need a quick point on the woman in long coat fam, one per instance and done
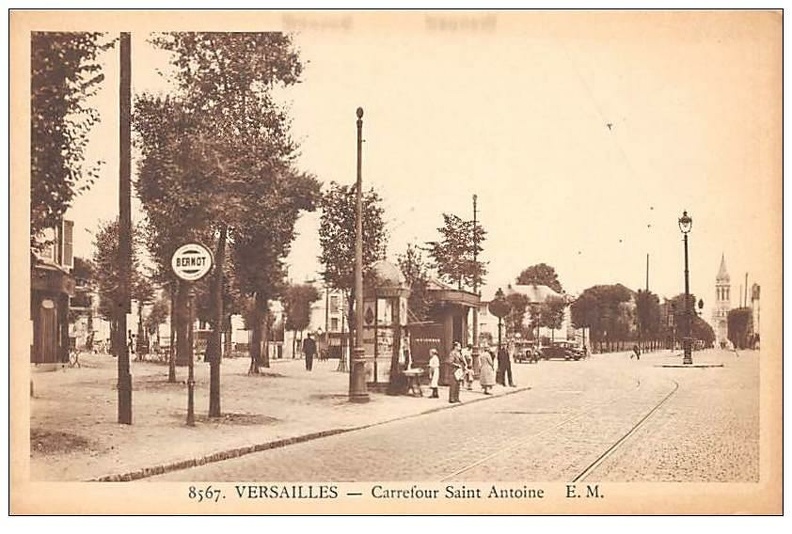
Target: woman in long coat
(487, 374)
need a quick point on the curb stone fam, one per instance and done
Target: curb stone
(180, 465)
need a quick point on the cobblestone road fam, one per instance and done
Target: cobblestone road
(706, 428)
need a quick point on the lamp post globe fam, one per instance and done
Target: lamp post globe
(499, 307)
(685, 225)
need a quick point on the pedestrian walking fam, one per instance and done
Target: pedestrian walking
(504, 368)
(309, 349)
(636, 352)
(434, 372)
(130, 342)
(467, 357)
(457, 366)
(487, 373)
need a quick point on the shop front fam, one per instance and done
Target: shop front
(50, 289)
(447, 322)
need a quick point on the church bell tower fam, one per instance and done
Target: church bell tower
(720, 314)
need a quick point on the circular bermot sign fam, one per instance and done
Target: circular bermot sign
(191, 262)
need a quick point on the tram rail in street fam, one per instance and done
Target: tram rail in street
(590, 469)
(572, 418)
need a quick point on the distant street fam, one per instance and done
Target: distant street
(608, 418)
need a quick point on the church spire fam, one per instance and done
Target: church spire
(723, 274)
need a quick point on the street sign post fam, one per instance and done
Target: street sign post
(191, 262)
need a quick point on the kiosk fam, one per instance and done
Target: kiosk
(385, 337)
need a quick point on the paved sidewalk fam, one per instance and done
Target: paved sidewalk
(75, 436)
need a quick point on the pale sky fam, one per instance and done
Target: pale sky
(515, 109)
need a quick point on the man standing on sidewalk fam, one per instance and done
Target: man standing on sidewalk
(309, 349)
(504, 368)
(457, 365)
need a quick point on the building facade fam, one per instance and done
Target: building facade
(755, 290)
(51, 287)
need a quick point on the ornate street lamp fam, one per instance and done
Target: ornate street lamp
(499, 307)
(685, 224)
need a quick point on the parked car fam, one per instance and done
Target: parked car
(526, 351)
(566, 350)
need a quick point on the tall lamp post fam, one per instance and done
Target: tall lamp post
(685, 224)
(499, 307)
(357, 369)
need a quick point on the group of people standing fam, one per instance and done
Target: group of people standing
(461, 363)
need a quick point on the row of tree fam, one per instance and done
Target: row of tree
(217, 165)
(611, 314)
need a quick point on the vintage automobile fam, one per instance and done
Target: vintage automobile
(526, 351)
(565, 350)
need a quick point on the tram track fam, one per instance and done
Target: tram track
(535, 437)
(592, 466)
(610, 450)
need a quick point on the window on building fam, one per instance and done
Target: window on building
(49, 237)
(334, 324)
(68, 244)
(333, 303)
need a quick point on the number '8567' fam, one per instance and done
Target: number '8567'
(204, 494)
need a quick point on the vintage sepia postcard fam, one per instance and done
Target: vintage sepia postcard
(523, 262)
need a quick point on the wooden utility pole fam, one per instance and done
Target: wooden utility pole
(124, 231)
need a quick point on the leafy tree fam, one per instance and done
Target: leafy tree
(337, 239)
(158, 314)
(699, 327)
(739, 325)
(518, 304)
(703, 331)
(648, 315)
(540, 274)
(584, 310)
(453, 254)
(175, 196)
(80, 304)
(416, 273)
(297, 302)
(225, 141)
(108, 275)
(83, 270)
(680, 312)
(297, 306)
(65, 73)
(551, 314)
(83, 273)
(262, 243)
(604, 309)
